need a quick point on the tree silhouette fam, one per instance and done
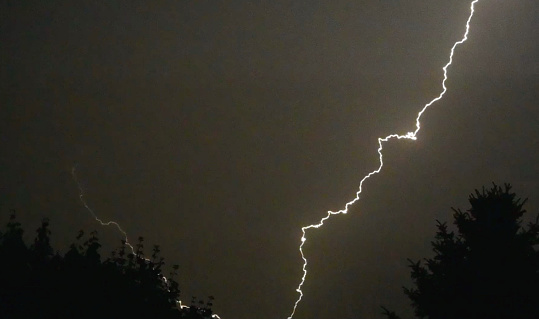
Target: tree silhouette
(489, 269)
(35, 282)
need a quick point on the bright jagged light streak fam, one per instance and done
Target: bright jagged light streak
(88, 208)
(381, 141)
(115, 224)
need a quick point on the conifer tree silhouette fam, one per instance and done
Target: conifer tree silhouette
(488, 269)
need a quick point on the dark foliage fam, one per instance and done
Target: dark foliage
(35, 282)
(489, 269)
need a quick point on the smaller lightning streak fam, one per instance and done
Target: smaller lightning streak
(115, 224)
(88, 208)
(381, 141)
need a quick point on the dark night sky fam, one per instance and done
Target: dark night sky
(218, 128)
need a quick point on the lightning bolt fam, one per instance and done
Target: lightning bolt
(381, 141)
(117, 226)
(91, 211)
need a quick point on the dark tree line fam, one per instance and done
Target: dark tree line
(488, 269)
(37, 282)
